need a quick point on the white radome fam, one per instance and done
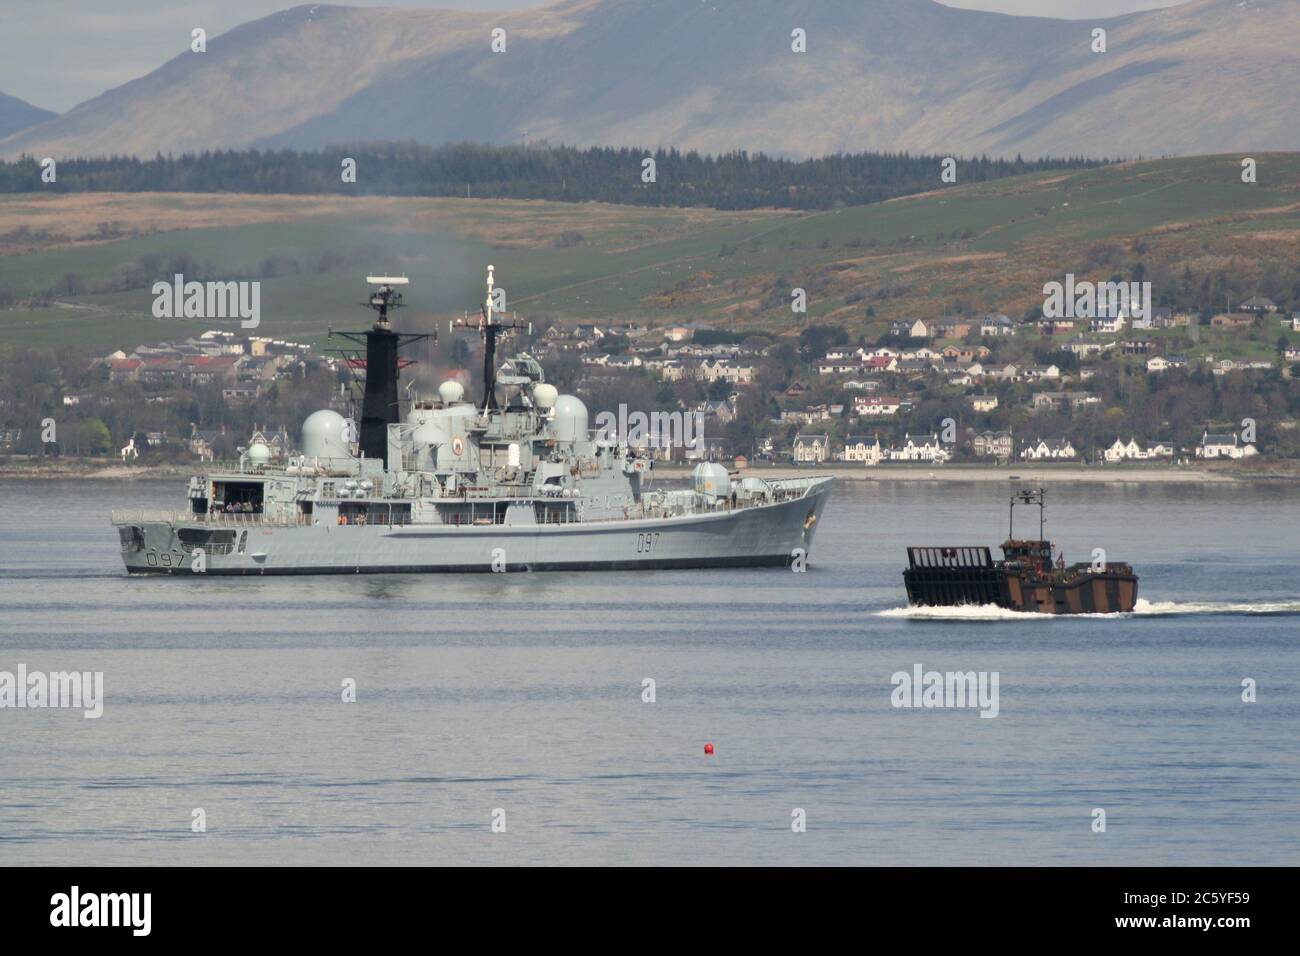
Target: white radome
(570, 421)
(324, 435)
(451, 392)
(545, 395)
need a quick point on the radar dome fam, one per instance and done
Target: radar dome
(570, 418)
(259, 454)
(545, 395)
(451, 392)
(324, 435)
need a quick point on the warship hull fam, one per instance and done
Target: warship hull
(774, 534)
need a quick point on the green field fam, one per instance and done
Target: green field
(989, 246)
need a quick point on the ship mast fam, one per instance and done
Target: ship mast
(1025, 497)
(491, 327)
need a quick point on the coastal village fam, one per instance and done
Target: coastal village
(979, 388)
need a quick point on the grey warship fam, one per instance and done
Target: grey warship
(516, 484)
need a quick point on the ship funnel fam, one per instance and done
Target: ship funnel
(379, 406)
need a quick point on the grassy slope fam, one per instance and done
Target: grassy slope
(1023, 232)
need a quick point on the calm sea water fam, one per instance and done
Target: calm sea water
(524, 692)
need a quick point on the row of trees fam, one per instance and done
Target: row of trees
(739, 180)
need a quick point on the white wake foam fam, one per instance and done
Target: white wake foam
(1216, 607)
(1143, 608)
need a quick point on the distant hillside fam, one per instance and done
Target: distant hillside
(17, 115)
(1190, 226)
(1208, 76)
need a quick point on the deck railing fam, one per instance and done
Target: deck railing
(216, 519)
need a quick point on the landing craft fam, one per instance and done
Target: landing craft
(514, 482)
(1027, 579)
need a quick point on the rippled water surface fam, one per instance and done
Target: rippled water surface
(524, 692)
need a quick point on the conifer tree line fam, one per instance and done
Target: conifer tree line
(737, 180)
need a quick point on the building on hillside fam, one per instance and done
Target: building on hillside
(876, 406)
(997, 325)
(1131, 450)
(811, 449)
(1108, 324)
(993, 444)
(1059, 400)
(1232, 320)
(982, 403)
(863, 448)
(920, 448)
(1258, 305)
(1224, 446)
(1163, 363)
(1044, 450)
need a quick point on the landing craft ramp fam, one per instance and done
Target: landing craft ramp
(960, 574)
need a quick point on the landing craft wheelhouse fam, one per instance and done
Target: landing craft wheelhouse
(517, 481)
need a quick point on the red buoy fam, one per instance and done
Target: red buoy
(708, 750)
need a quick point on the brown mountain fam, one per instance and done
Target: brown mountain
(17, 115)
(1206, 76)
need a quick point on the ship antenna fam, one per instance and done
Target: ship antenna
(1026, 497)
(490, 327)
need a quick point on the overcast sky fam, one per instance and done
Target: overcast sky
(57, 53)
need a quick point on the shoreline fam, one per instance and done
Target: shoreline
(1096, 474)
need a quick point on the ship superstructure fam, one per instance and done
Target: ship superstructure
(517, 481)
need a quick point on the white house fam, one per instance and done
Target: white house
(1132, 451)
(1224, 446)
(1084, 348)
(863, 448)
(1107, 323)
(920, 448)
(1162, 363)
(997, 325)
(875, 406)
(1041, 450)
(1038, 373)
(813, 449)
(982, 403)
(1005, 373)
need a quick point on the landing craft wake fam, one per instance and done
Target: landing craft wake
(1143, 608)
